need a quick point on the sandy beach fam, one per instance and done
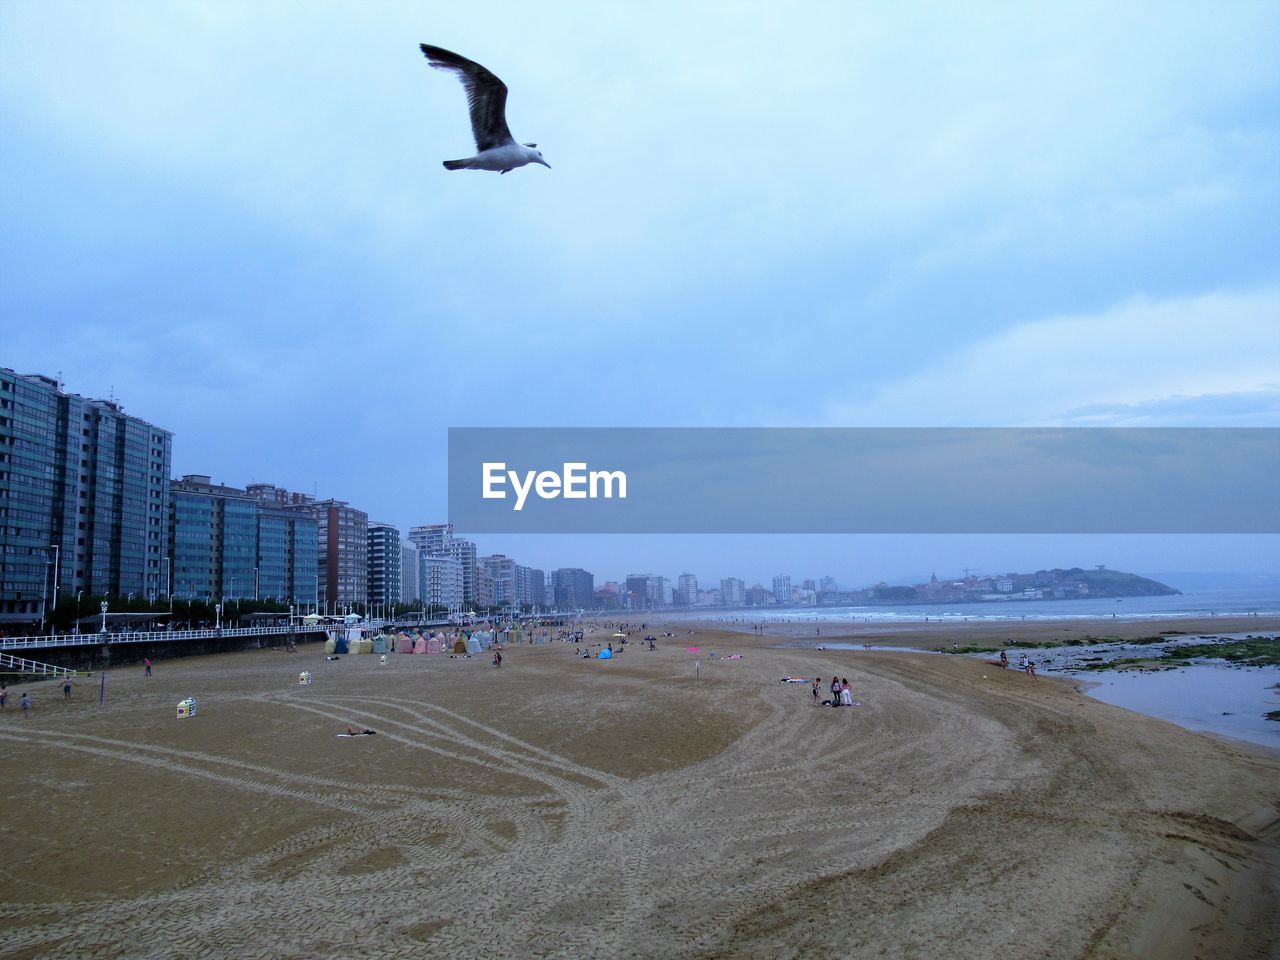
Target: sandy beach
(639, 807)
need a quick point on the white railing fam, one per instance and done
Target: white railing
(19, 665)
(155, 636)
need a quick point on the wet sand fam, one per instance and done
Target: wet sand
(562, 807)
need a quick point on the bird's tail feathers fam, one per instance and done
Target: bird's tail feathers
(456, 164)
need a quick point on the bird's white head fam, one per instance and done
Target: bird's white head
(534, 155)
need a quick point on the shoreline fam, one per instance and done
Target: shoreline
(937, 634)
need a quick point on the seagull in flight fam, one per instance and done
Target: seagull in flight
(487, 98)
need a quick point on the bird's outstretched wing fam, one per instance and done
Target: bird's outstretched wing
(486, 96)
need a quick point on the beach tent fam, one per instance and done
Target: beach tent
(331, 644)
(404, 643)
(420, 645)
(605, 654)
(459, 645)
(435, 645)
(473, 644)
(380, 644)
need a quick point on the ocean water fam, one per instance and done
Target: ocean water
(1200, 604)
(1215, 698)
(1212, 696)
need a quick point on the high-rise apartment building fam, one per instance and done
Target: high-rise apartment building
(686, 590)
(437, 540)
(531, 587)
(84, 493)
(384, 564)
(288, 546)
(733, 592)
(636, 591)
(782, 589)
(572, 588)
(214, 529)
(408, 573)
(344, 553)
(432, 538)
(502, 573)
(228, 544)
(439, 582)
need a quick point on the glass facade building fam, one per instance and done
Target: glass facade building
(227, 544)
(83, 498)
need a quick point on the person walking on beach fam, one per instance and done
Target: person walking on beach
(846, 694)
(1004, 660)
(817, 687)
(146, 662)
(835, 691)
(1031, 669)
(4, 696)
(67, 684)
(25, 703)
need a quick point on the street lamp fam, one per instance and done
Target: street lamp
(57, 557)
(103, 607)
(217, 612)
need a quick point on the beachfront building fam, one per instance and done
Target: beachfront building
(686, 590)
(408, 573)
(432, 538)
(288, 557)
(482, 597)
(439, 582)
(288, 547)
(229, 545)
(636, 591)
(214, 530)
(84, 492)
(384, 564)
(531, 588)
(437, 540)
(502, 575)
(572, 588)
(344, 554)
(733, 592)
(782, 590)
(609, 597)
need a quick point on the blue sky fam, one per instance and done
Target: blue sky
(233, 216)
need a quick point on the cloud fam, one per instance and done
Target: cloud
(1192, 361)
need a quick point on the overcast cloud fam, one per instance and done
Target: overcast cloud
(233, 216)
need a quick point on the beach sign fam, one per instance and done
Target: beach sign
(304, 676)
(186, 708)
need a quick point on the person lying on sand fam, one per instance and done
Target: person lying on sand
(362, 732)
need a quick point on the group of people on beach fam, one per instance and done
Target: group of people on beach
(24, 703)
(841, 694)
(1026, 664)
